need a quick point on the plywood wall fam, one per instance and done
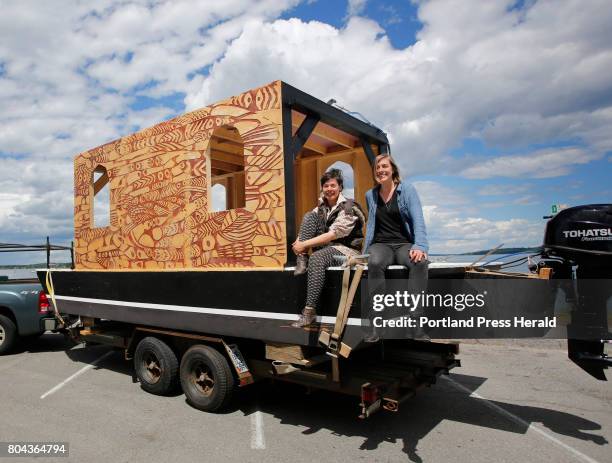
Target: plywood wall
(159, 196)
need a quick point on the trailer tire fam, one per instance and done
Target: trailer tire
(206, 378)
(156, 366)
(8, 334)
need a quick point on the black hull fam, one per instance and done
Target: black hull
(235, 303)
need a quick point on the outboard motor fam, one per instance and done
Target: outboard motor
(581, 237)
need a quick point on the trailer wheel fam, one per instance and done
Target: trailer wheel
(8, 334)
(206, 378)
(156, 366)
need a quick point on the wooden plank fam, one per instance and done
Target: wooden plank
(226, 166)
(221, 178)
(367, 149)
(501, 273)
(227, 137)
(234, 192)
(306, 188)
(303, 133)
(326, 132)
(296, 354)
(101, 182)
(236, 150)
(316, 147)
(217, 155)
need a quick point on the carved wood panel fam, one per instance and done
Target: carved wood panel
(159, 182)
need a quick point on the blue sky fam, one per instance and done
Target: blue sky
(495, 110)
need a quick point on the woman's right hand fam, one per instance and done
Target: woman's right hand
(298, 247)
(417, 256)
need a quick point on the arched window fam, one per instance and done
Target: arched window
(218, 197)
(226, 156)
(101, 199)
(348, 178)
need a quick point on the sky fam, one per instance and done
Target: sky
(495, 110)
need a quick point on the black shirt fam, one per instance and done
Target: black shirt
(389, 227)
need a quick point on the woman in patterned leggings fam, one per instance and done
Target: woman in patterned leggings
(333, 228)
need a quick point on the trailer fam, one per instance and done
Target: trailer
(205, 297)
(210, 369)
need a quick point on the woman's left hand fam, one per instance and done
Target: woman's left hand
(299, 248)
(417, 256)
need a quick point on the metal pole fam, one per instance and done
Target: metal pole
(48, 253)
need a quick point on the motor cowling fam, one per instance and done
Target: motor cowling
(582, 234)
(581, 238)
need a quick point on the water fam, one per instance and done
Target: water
(468, 259)
(497, 258)
(18, 273)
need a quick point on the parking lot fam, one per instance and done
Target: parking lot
(508, 402)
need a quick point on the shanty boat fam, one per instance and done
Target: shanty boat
(167, 259)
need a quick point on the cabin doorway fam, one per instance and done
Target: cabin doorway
(328, 147)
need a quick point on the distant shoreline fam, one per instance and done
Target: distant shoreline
(503, 251)
(35, 266)
(476, 253)
(497, 251)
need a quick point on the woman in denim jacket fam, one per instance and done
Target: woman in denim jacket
(395, 233)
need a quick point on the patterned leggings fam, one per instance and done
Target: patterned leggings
(319, 260)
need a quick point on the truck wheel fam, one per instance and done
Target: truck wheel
(206, 378)
(156, 366)
(8, 334)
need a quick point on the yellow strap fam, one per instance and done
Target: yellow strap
(342, 304)
(51, 290)
(351, 295)
(348, 294)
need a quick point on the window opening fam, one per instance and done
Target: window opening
(219, 197)
(101, 198)
(227, 169)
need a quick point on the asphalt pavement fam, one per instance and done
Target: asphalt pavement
(508, 402)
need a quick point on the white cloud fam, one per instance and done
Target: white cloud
(527, 200)
(355, 7)
(510, 77)
(539, 164)
(452, 231)
(454, 223)
(69, 72)
(504, 190)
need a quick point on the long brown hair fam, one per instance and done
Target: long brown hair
(395, 175)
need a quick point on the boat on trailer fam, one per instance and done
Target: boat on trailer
(167, 259)
(171, 280)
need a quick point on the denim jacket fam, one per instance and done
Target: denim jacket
(410, 210)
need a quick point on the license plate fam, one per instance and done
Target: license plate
(237, 359)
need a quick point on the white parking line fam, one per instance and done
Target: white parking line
(78, 373)
(258, 440)
(520, 421)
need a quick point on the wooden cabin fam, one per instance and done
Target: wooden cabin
(266, 147)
